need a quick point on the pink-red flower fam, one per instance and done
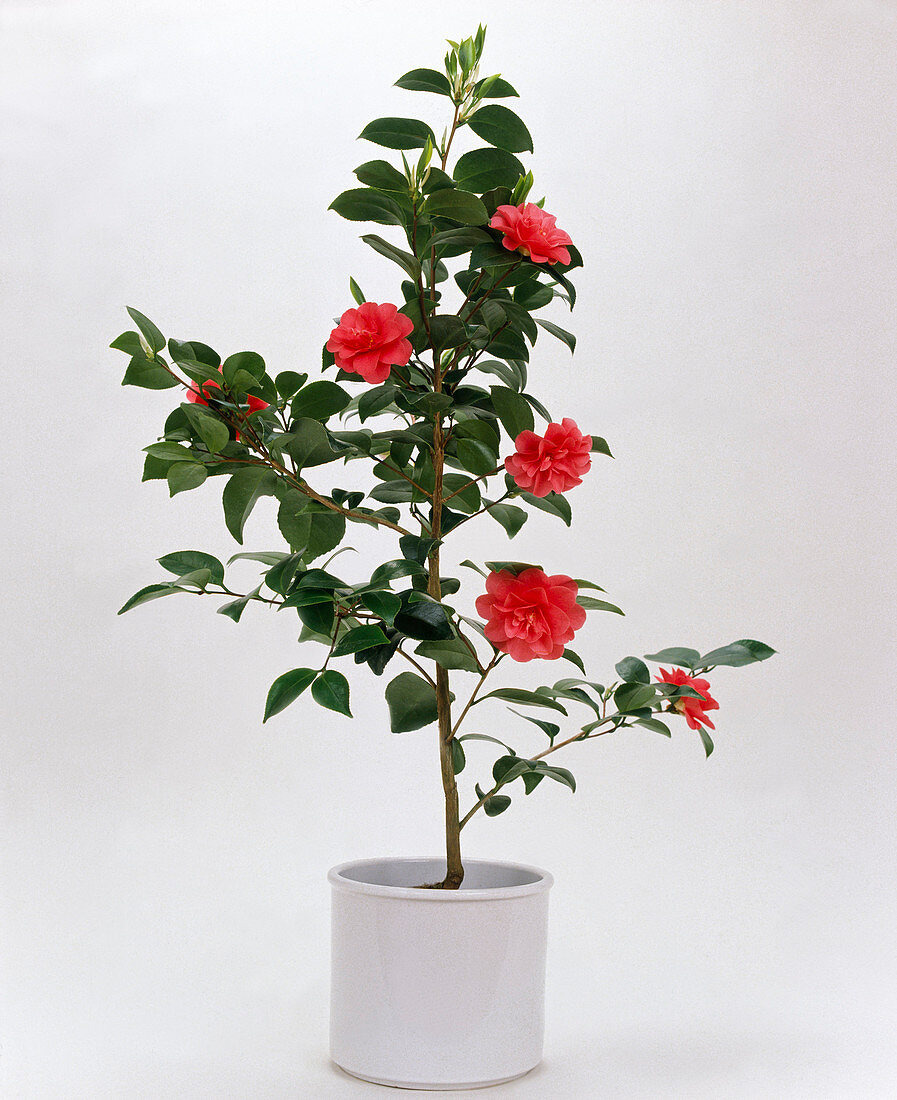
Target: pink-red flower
(370, 340)
(550, 463)
(528, 229)
(199, 395)
(693, 709)
(530, 615)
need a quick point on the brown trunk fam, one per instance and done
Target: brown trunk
(454, 869)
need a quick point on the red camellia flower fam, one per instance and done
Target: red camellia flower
(550, 463)
(528, 229)
(693, 709)
(199, 396)
(530, 615)
(370, 340)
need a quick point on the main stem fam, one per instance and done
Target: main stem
(454, 873)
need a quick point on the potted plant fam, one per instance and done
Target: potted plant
(429, 395)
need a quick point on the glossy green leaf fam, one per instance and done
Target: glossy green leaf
(148, 374)
(240, 494)
(501, 127)
(675, 655)
(151, 334)
(450, 653)
(359, 638)
(509, 516)
(460, 206)
(411, 701)
(654, 724)
(591, 604)
(512, 410)
(235, 608)
(289, 382)
(151, 592)
(183, 476)
(425, 80)
(555, 504)
(286, 689)
(319, 401)
(186, 561)
(706, 740)
(406, 261)
(364, 204)
(496, 88)
(523, 698)
(634, 696)
(210, 428)
(398, 133)
(129, 342)
(331, 690)
(746, 651)
(382, 175)
(482, 169)
(561, 333)
(424, 620)
(307, 443)
(599, 446)
(633, 671)
(496, 804)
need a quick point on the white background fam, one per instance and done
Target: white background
(721, 929)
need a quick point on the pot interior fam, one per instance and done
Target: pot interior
(404, 873)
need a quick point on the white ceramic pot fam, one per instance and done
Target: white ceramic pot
(438, 989)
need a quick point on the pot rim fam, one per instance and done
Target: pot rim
(542, 881)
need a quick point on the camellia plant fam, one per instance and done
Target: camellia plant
(430, 393)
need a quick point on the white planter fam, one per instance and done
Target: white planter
(438, 989)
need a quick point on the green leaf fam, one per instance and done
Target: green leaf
(633, 671)
(243, 362)
(509, 516)
(364, 204)
(450, 653)
(706, 740)
(398, 133)
(151, 334)
(476, 456)
(384, 604)
(561, 333)
(182, 476)
(425, 80)
(455, 242)
(235, 608)
(411, 701)
(634, 696)
(599, 446)
(148, 374)
(129, 342)
(497, 89)
(493, 255)
(307, 443)
(359, 638)
(186, 561)
(331, 690)
(406, 261)
(392, 570)
(559, 775)
(512, 410)
(502, 128)
(654, 724)
(382, 175)
(550, 729)
(574, 659)
(743, 652)
(460, 206)
(167, 451)
(240, 494)
(482, 169)
(591, 604)
(210, 429)
(289, 382)
(425, 620)
(286, 689)
(319, 401)
(555, 504)
(496, 804)
(485, 737)
(523, 698)
(675, 655)
(458, 758)
(151, 592)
